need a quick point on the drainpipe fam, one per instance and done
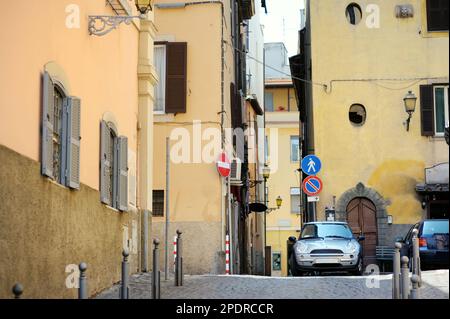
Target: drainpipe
(180, 5)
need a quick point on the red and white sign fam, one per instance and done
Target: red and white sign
(224, 165)
(312, 185)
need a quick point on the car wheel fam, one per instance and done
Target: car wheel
(359, 268)
(293, 266)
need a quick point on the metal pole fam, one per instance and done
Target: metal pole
(415, 293)
(416, 256)
(166, 248)
(82, 290)
(145, 244)
(230, 224)
(396, 272)
(156, 274)
(179, 261)
(124, 293)
(17, 290)
(405, 277)
(265, 227)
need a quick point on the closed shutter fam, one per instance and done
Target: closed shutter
(427, 110)
(105, 164)
(176, 77)
(437, 15)
(122, 173)
(73, 142)
(48, 108)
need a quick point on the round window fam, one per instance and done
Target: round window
(357, 114)
(353, 13)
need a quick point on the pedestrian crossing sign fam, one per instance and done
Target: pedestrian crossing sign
(311, 165)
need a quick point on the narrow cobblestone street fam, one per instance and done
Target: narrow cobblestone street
(435, 286)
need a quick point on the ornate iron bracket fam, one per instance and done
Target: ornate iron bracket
(101, 25)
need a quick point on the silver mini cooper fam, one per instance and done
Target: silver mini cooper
(326, 247)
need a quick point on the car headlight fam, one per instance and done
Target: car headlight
(352, 247)
(301, 247)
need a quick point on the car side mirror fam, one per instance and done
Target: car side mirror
(361, 238)
(292, 239)
(400, 240)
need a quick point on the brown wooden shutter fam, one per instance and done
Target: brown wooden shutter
(176, 77)
(427, 110)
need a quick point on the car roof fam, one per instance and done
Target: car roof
(326, 222)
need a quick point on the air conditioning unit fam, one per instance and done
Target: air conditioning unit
(236, 172)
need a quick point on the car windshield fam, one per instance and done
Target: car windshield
(326, 231)
(435, 227)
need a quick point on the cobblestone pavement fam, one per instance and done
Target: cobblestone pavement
(435, 286)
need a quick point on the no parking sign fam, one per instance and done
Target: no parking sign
(312, 186)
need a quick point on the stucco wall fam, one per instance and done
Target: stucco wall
(45, 227)
(381, 154)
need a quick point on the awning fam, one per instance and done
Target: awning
(432, 188)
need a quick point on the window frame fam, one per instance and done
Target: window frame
(446, 106)
(292, 137)
(299, 195)
(162, 78)
(162, 203)
(428, 20)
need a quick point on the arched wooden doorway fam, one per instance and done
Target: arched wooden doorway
(362, 219)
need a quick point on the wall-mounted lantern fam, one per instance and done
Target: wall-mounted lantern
(390, 219)
(100, 25)
(410, 101)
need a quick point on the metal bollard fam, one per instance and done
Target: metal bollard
(415, 293)
(17, 290)
(405, 278)
(124, 291)
(82, 290)
(179, 261)
(156, 274)
(396, 272)
(416, 256)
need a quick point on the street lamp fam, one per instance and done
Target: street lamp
(410, 101)
(279, 202)
(100, 25)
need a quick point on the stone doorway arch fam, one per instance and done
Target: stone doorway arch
(361, 191)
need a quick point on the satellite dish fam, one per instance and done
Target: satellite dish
(257, 207)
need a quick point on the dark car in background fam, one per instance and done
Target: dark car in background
(433, 243)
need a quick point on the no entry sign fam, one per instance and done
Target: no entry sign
(312, 186)
(224, 165)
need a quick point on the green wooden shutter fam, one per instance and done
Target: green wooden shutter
(73, 142)
(48, 108)
(122, 173)
(105, 164)
(427, 110)
(176, 77)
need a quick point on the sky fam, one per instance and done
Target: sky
(282, 22)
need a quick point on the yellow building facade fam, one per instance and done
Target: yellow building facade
(68, 101)
(283, 158)
(365, 58)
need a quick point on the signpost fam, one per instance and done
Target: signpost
(312, 186)
(311, 165)
(224, 165)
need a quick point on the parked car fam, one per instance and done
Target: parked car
(326, 247)
(433, 243)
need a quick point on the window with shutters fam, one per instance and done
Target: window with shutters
(171, 67)
(295, 200)
(440, 109)
(60, 135)
(437, 15)
(113, 167)
(158, 203)
(434, 109)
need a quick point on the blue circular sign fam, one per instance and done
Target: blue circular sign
(311, 165)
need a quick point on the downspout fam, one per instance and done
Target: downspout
(222, 75)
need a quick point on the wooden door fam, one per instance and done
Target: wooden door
(362, 219)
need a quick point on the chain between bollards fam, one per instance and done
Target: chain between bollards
(82, 290)
(124, 291)
(156, 273)
(17, 290)
(179, 261)
(405, 278)
(396, 272)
